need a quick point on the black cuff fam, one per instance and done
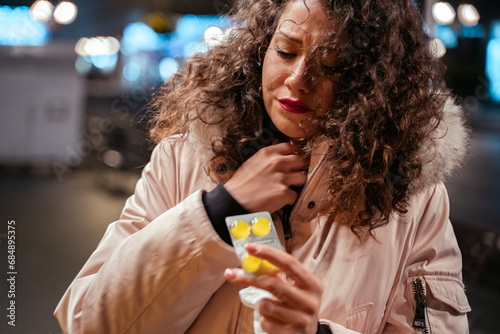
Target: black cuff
(323, 329)
(219, 204)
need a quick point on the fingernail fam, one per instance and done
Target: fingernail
(266, 307)
(229, 273)
(253, 248)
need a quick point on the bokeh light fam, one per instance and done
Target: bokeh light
(438, 49)
(213, 36)
(112, 158)
(468, 15)
(96, 46)
(18, 28)
(41, 10)
(493, 61)
(443, 13)
(132, 72)
(168, 67)
(139, 36)
(194, 48)
(83, 65)
(65, 12)
(106, 63)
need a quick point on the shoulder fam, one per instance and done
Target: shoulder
(177, 160)
(428, 210)
(180, 148)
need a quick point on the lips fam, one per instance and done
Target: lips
(294, 106)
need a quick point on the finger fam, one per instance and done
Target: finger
(293, 269)
(292, 162)
(285, 293)
(296, 179)
(236, 275)
(281, 163)
(280, 313)
(272, 326)
(274, 283)
(282, 148)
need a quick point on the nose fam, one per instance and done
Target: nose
(299, 78)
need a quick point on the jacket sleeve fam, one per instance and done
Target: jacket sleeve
(159, 263)
(433, 267)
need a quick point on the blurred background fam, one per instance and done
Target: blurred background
(75, 79)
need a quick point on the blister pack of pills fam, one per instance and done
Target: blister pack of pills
(255, 228)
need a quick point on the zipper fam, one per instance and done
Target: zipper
(419, 291)
(288, 209)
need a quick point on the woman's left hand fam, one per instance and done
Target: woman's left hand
(297, 293)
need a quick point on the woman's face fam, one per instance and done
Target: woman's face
(292, 87)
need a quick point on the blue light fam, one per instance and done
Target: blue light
(107, 63)
(426, 29)
(83, 65)
(495, 30)
(175, 47)
(447, 35)
(193, 48)
(132, 72)
(476, 31)
(168, 67)
(191, 28)
(139, 36)
(142, 47)
(18, 28)
(493, 61)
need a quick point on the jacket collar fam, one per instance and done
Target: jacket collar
(443, 151)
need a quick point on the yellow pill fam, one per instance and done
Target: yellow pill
(261, 226)
(251, 263)
(267, 268)
(240, 229)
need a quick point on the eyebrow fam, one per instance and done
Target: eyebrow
(292, 38)
(299, 41)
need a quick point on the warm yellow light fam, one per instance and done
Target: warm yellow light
(80, 46)
(468, 15)
(443, 13)
(41, 10)
(97, 46)
(112, 158)
(111, 45)
(65, 12)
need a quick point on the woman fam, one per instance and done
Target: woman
(332, 116)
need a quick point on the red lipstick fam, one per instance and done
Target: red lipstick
(294, 106)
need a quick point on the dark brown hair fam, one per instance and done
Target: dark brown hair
(390, 95)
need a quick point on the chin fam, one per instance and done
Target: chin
(292, 132)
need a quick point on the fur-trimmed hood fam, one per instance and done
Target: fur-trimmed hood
(441, 154)
(446, 148)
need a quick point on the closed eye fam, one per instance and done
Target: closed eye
(284, 54)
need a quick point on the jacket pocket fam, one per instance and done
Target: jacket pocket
(440, 304)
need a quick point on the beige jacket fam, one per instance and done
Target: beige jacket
(159, 268)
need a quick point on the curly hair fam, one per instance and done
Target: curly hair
(389, 97)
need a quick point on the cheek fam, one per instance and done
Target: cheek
(273, 71)
(326, 92)
(271, 76)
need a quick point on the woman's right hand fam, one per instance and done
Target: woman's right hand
(262, 183)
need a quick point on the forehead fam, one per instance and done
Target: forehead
(306, 18)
